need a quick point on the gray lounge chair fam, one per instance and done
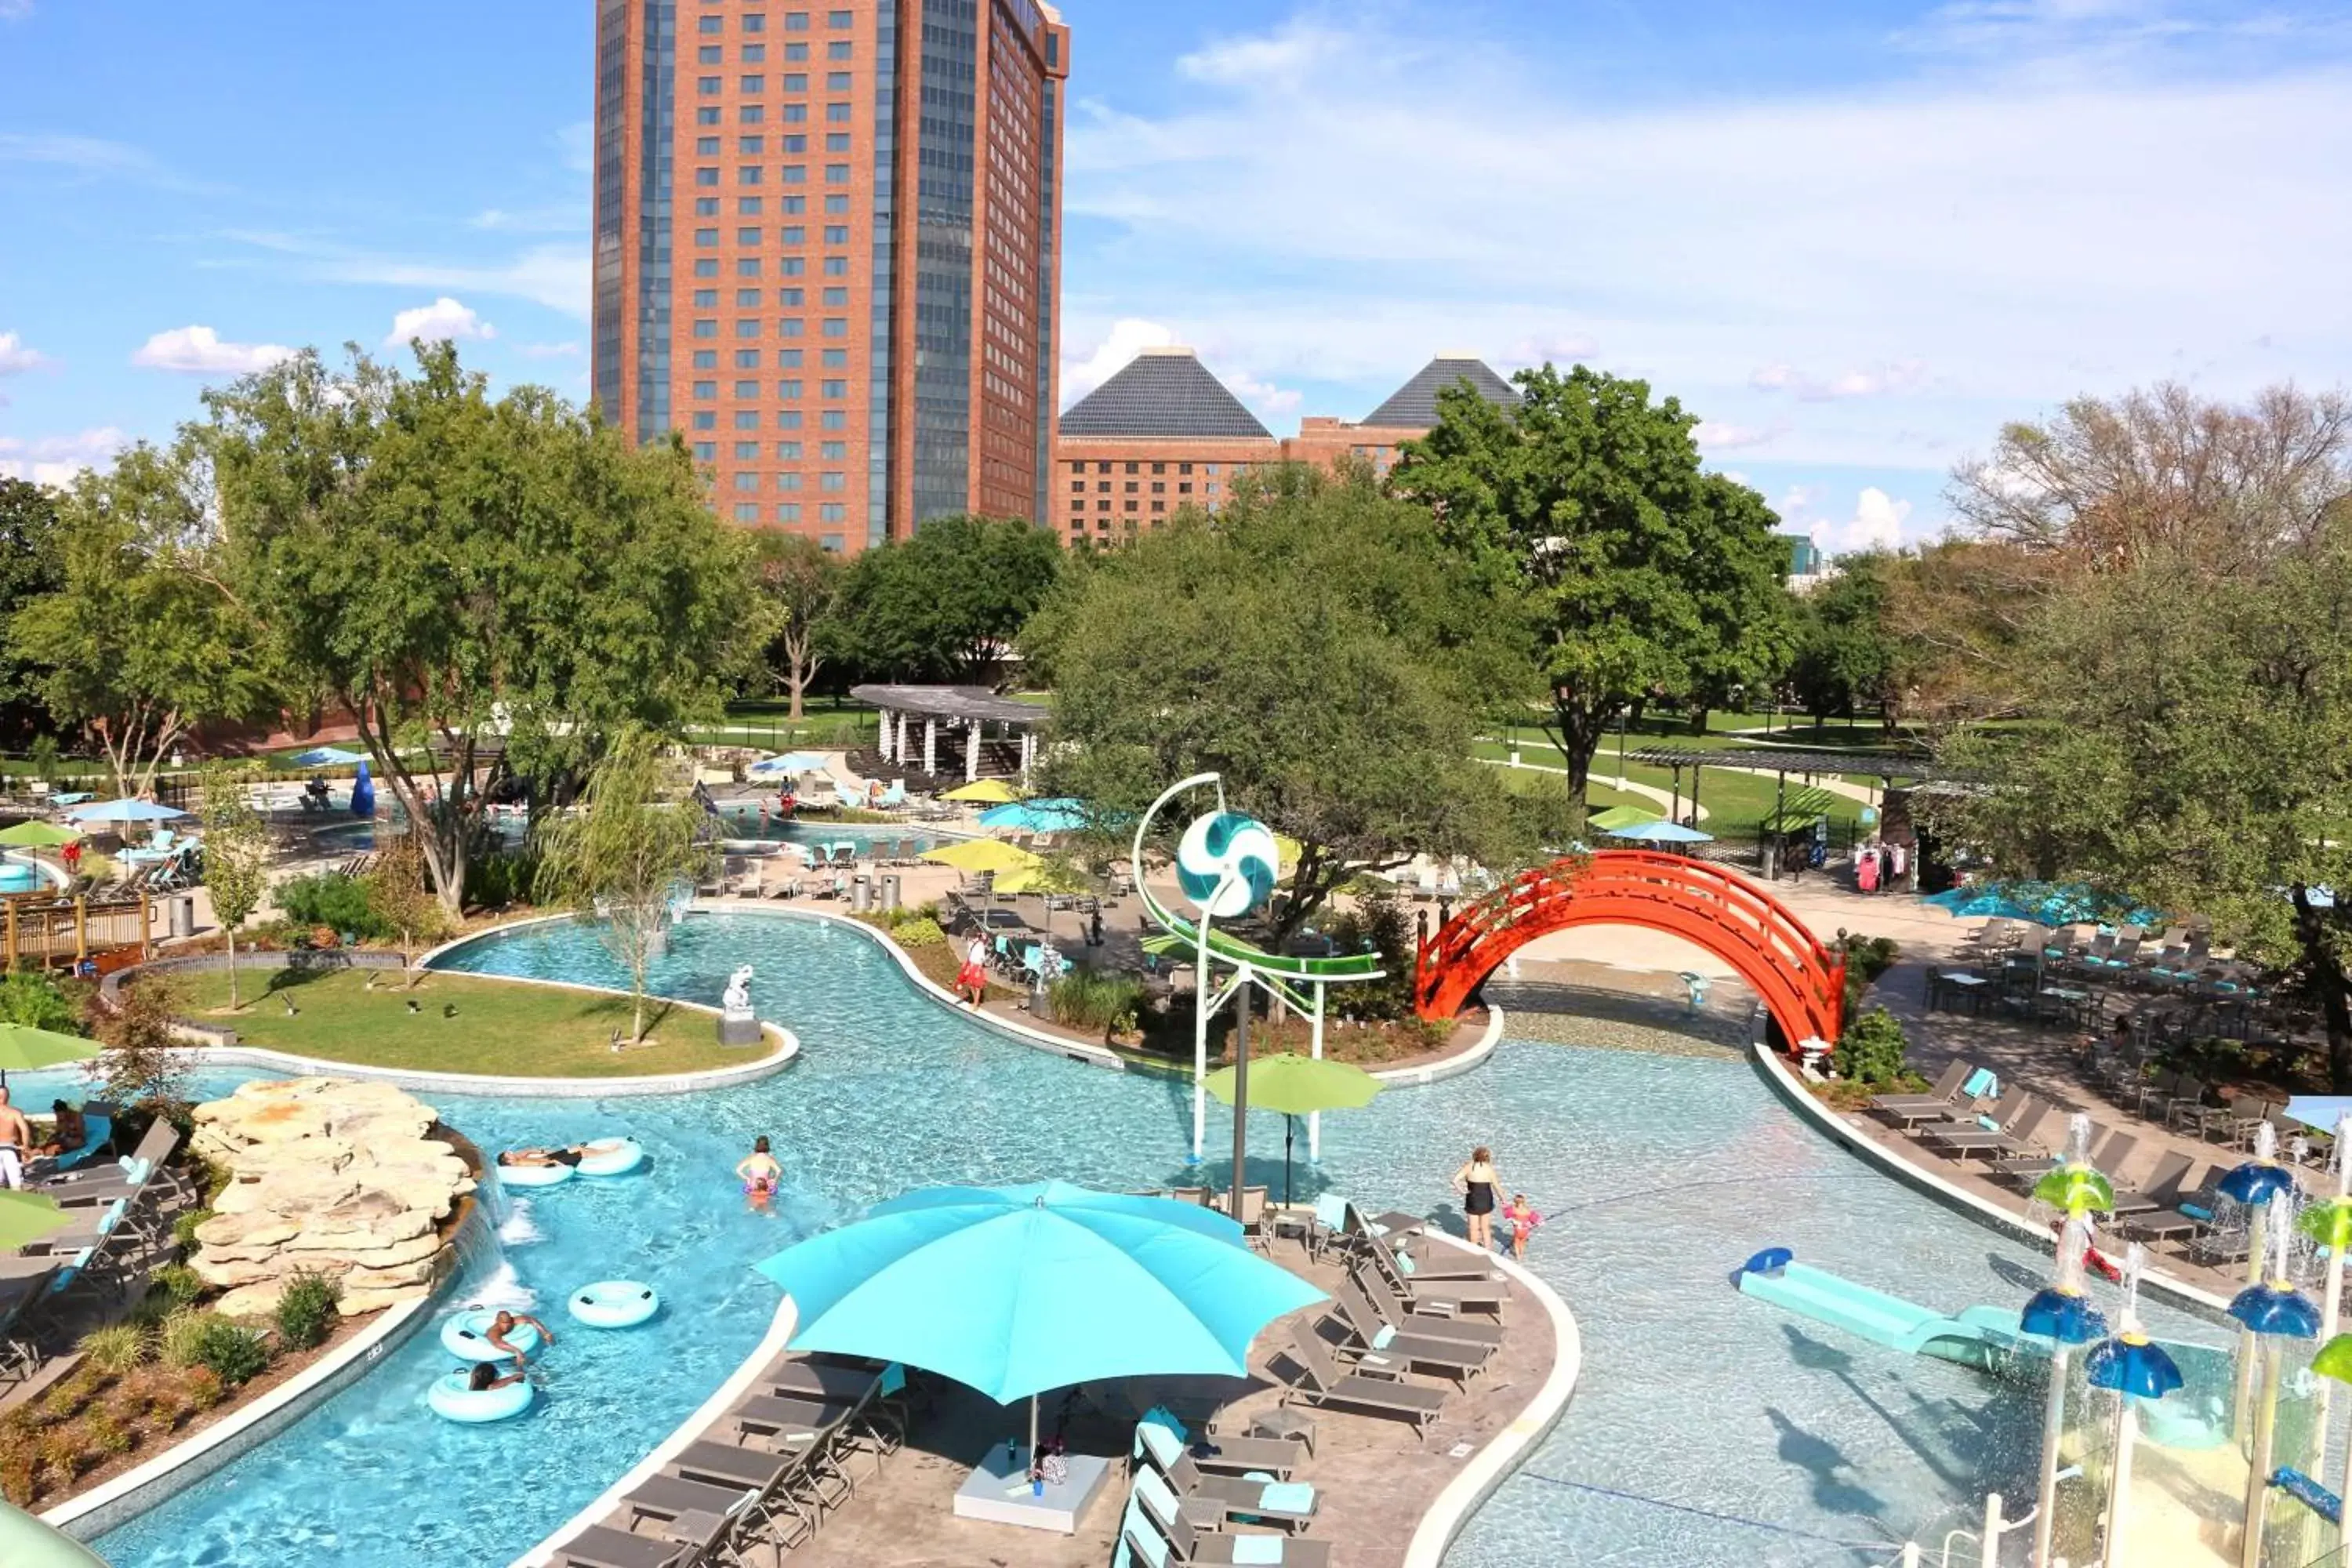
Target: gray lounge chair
(1438, 1295)
(1157, 1542)
(1324, 1387)
(1217, 1452)
(1217, 1500)
(2161, 1189)
(2013, 1138)
(665, 1500)
(1430, 1325)
(1380, 1348)
(601, 1546)
(1945, 1094)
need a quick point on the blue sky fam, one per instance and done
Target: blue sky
(1855, 236)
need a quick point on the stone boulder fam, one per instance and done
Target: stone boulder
(336, 1175)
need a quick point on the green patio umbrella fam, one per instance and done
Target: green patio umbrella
(37, 836)
(1297, 1086)
(26, 1217)
(23, 1047)
(1617, 817)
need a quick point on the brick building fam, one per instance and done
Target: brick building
(1164, 433)
(827, 248)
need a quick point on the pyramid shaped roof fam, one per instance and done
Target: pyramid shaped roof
(1413, 405)
(1162, 393)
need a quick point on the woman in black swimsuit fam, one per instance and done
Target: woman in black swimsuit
(1477, 1182)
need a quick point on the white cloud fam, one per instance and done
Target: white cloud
(561, 219)
(552, 351)
(1888, 227)
(1877, 381)
(1876, 524)
(1565, 349)
(1262, 396)
(1122, 342)
(444, 321)
(200, 351)
(1715, 435)
(55, 459)
(15, 10)
(17, 357)
(555, 275)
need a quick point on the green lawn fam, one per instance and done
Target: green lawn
(496, 1026)
(1732, 800)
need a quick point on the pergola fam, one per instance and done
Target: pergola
(1782, 761)
(914, 716)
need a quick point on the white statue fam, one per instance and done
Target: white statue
(737, 1001)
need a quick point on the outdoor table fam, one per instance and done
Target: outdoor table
(1971, 986)
(1000, 1492)
(1398, 1224)
(2074, 1003)
(1004, 920)
(1284, 1421)
(1292, 1218)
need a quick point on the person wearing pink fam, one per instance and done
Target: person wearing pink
(1521, 1216)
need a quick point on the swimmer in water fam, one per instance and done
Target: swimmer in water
(760, 1172)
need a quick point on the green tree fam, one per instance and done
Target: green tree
(618, 859)
(2180, 648)
(137, 644)
(459, 570)
(29, 568)
(400, 891)
(944, 605)
(799, 584)
(236, 857)
(1310, 645)
(1648, 574)
(1847, 657)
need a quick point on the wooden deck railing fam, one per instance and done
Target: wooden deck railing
(43, 928)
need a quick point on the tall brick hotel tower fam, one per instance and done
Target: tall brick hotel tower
(828, 250)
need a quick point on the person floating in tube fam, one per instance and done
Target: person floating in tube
(506, 1324)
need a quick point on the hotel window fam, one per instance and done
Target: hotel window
(788, 511)
(832, 511)
(838, 113)
(788, 482)
(794, 174)
(747, 266)
(705, 147)
(837, 267)
(706, 299)
(1102, 468)
(788, 359)
(747, 512)
(747, 299)
(837, 82)
(1159, 506)
(747, 359)
(836, 359)
(748, 328)
(710, 25)
(747, 237)
(1159, 486)
(837, 50)
(1183, 487)
(704, 419)
(788, 391)
(837, 295)
(707, 267)
(709, 54)
(705, 359)
(1213, 470)
(836, 234)
(834, 419)
(755, 53)
(751, 84)
(1158, 468)
(747, 451)
(797, 21)
(751, 147)
(705, 329)
(795, 81)
(788, 451)
(1133, 486)
(706, 451)
(795, 234)
(751, 114)
(830, 544)
(794, 266)
(790, 327)
(1077, 468)
(706, 87)
(836, 204)
(793, 204)
(706, 389)
(789, 419)
(791, 146)
(792, 299)
(706, 239)
(836, 142)
(755, 23)
(746, 419)
(796, 114)
(795, 51)
(1103, 485)
(1135, 467)
(834, 388)
(833, 481)
(748, 206)
(747, 481)
(1078, 487)
(836, 174)
(836, 327)
(833, 451)
(1130, 506)
(708, 116)
(836, 20)
(747, 390)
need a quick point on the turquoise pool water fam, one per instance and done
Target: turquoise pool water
(1708, 1428)
(745, 822)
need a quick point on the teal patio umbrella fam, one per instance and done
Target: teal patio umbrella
(1015, 1290)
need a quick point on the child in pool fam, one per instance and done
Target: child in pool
(760, 1172)
(1523, 1219)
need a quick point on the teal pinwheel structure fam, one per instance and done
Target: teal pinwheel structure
(1014, 1291)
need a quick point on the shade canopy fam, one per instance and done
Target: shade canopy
(328, 757)
(37, 836)
(982, 855)
(1617, 817)
(2046, 903)
(789, 764)
(1014, 1291)
(1660, 832)
(1299, 1086)
(23, 1049)
(1061, 815)
(2065, 1316)
(26, 1217)
(125, 811)
(983, 792)
(1045, 877)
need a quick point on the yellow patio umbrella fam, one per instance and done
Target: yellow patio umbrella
(976, 855)
(1047, 876)
(984, 792)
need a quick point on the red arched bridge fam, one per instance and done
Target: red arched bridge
(1799, 979)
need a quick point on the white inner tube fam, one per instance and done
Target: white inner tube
(466, 1337)
(613, 1303)
(533, 1175)
(612, 1157)
(452, 1399)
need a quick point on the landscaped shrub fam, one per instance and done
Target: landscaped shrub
(106, 1435)
(1090, 999)
(1377, 924)
(19, 1464)
(334, 900)
(183, 1229)
(178, 1283)
(31, 998)
(501, 878)
(1872, 1050)
(115, 1348)
(180, 1341)
(204, 1388)
(306, 1308)
(918, 933)
(1866, 958)
(234, 1354)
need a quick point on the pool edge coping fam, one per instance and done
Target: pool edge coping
(1491, 1466)
(1792, 1092)
(686, 1432)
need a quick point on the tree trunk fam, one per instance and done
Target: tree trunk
(2327, 975)
(1580, 727)
(1698, 718)
(797, 683)
(229, 932)
(638, 1016)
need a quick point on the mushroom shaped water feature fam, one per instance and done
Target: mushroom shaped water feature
(2334, 1362)
(2073, 1186)
(2271, 1311)
(2061, 1313)
(2256, 1185)
(2133, 1367)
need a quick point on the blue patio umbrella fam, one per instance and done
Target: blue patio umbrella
(1976, 903)
(790, 765)
(362, 794)
(1056, 815)
(125, 811)
(2320, 1110)
(1661, 833)
(1050, 1285)
(328, 757)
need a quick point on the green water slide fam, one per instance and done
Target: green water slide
(1979, 1337)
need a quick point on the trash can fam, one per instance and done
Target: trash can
(184, 916)
(861, 893)
(890, 890)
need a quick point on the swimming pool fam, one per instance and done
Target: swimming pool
(744, 822)
(1707, 1427)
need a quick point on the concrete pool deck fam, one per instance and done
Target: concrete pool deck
(1387, 1499)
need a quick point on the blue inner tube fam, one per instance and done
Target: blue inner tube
(533, 1175)
(624, 1156)
(614, 1303)
(452, 1400)
(466, 1336)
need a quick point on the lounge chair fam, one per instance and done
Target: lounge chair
(2108, 1153)
(2162, 1188)
(1149, 1541)
(1438, 1295)
(1214, 1500)
(2013, 1138)
(1217, 1451)
(98, 1132)
(601, 1546)
(1449, 1326)
(1322, 1385)
(1946, 1093)
(2186, 1101)
(2012, 1100)
(1379, 1347)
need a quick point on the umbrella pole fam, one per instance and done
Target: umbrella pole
(1241, 1086)
(2242, 1402)
(2053, 1434)
(1033, 1431)
(1289, 1128)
